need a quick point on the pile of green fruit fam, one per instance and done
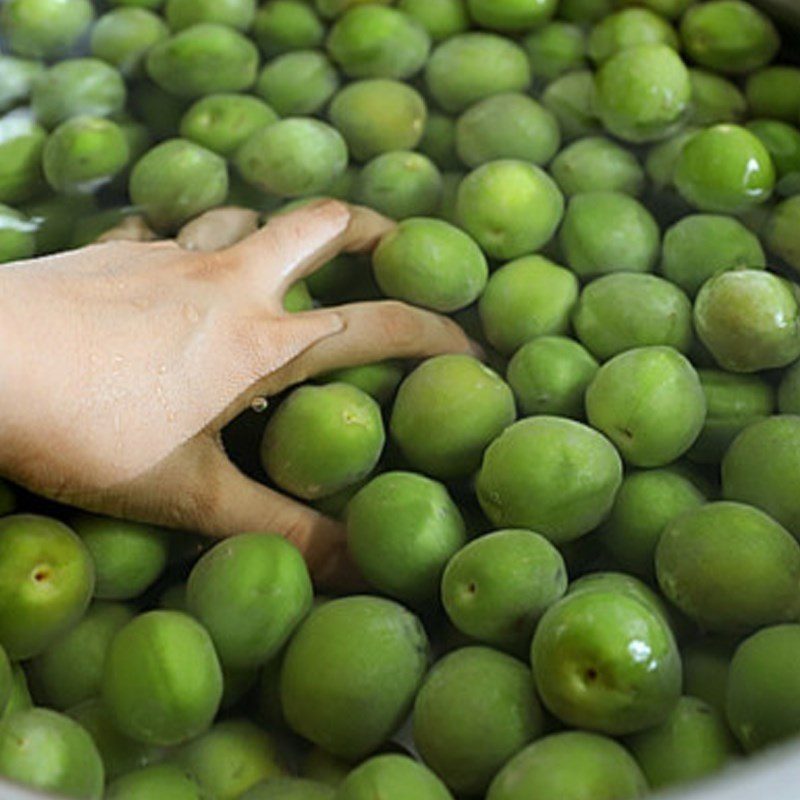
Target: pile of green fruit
(584, 557)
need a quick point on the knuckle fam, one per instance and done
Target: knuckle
(400, 324)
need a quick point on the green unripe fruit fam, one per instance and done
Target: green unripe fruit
(511, 16)
(18, 77)
(123, 38)
(44, 28)
(290, 789)
(554, 49)
(393, 778)
(379, 380)
(281, 26)
(17, 235)
(596, 164)
(571, 98)
(629, 27)
(21, 145)
(181, 14)
(159, 780)
(774, 93)
(297, 83)
(441, 18)
(715, 99)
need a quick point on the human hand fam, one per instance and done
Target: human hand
(123, 361)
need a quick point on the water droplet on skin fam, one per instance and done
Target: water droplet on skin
(259, 404)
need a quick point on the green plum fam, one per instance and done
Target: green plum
(46, 582)
(782, 141)
(621, 311)
(203, 59)
(379, 380)
(549, 474)
(472, 66)
(402, 529)
(692, 743)
(123, 38)
(172, 651)
(554, 49)
(297, 83)
(650, 403)
(762, 696)
(706, 662)
(762, 467)
(431, 264)
(159, 780)
(662, 158)
(439, 141)
(626, 28)
(18, 77)
(714, 99)
(789, 391)
(392, 777)
(699, 246)
(571, 98)
(7, 682)
(497, 588)
(724, 169)
(781, 231)
(774, 93)
(585, 12)
(511, 208)
(128, 556)
(749, 320)
(21, 145)
(46, 750)
(44, 28)
(440, 18)
(646, 503)
(351, 672)
(318, 765)
(529, 132)
(322, 439)
(596, 164)
(222, 123)
(19, 698)
(181, 14)
(290, 789)
(378, 116)
(671, 9)
(511, 16)
(446, 413)
(17, 235)
(281, 26)
(570, 766)
(607, 662)
(249, 592)
(608, 232)
(729, 567)
(475, 683)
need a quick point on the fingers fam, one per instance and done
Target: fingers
(292, 245)
(218, 229)
(131, 229)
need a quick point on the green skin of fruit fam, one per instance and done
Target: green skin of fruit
(439, 141)
(295, 157)
(159, 780)
(496, 588)
(322, 439)
(570, 98)
(324, 768)
(472, 66)
(570, 766)
(399, 185)
(549, 474)
(511, 16)
(170, 651)
(177, 180)
(351, 672)
(662, 158)
(372, 41)
(596, 164)
(782, 141)
(18, 76)
(83, 151)
(298, 83)
(529, 131)
(44, 28)
(56, 218)
(119, 752)
(749, 320)
(671, 9)
(378, 116)
(223, 122)
(181, 14)
(729, 567)
(290, 789)
(21, 145)
(19, 698)
(128, 556)
(554, 49)
(605, 661)
(647, 501)
(451, 181)
(6, 682)
(70, 670)
(440, 18)
(629, 27)
(17, 237)
(335, 8)
(430, 263)
(762, 700)
(699, 246)
(729, 36)
(510, 208)
(607, 232)
(204, 59)
(782, 232)
(714, 99)
(46, 582)
(626, 310)
(642, 93)
(762, 467)
(734, 402)
(724, 169)
(250, 592)
(153, 5)
(550, 375)
(77, 87)
(46, 750)
(475, 683)
(159, 111)
(379, 381)
(789, 391)
(392, 777)
(774, 93)
(526, 299)
(692, 743)
(706, 663)
(123, 37)
(230, 758)
(446, 413)
(402, 529)
(281, 26)
(650, 403)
